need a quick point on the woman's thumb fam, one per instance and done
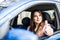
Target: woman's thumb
(46, 22)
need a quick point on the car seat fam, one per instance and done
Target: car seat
(25, 22)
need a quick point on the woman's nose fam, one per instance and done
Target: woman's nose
(38, 17)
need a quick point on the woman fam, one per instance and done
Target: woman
(39, 25)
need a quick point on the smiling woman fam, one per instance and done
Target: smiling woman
(39, 25)
(48, 14)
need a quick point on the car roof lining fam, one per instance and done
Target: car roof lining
(42, 7)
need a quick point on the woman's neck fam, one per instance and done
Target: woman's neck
(37, 25)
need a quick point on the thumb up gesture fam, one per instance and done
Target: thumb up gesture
(48, 29)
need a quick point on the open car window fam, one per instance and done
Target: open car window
(21, 20)
(22, 15)
(49, 9)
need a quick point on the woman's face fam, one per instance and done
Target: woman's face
(37, 17)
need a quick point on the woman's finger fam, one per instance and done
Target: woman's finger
(46, 22)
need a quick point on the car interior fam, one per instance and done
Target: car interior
(22, 20)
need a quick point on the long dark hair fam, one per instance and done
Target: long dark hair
(32, 24)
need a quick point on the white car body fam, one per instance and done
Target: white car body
(12, 10)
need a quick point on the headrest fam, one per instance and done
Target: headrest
(26, 21)
(47, 17)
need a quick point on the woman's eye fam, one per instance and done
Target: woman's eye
(35, 16)
(39, 15)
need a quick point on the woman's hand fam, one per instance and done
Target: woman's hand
(48, 29)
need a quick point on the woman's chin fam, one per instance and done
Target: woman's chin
(38, 22)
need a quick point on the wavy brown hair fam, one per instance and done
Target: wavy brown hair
(32, 24)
